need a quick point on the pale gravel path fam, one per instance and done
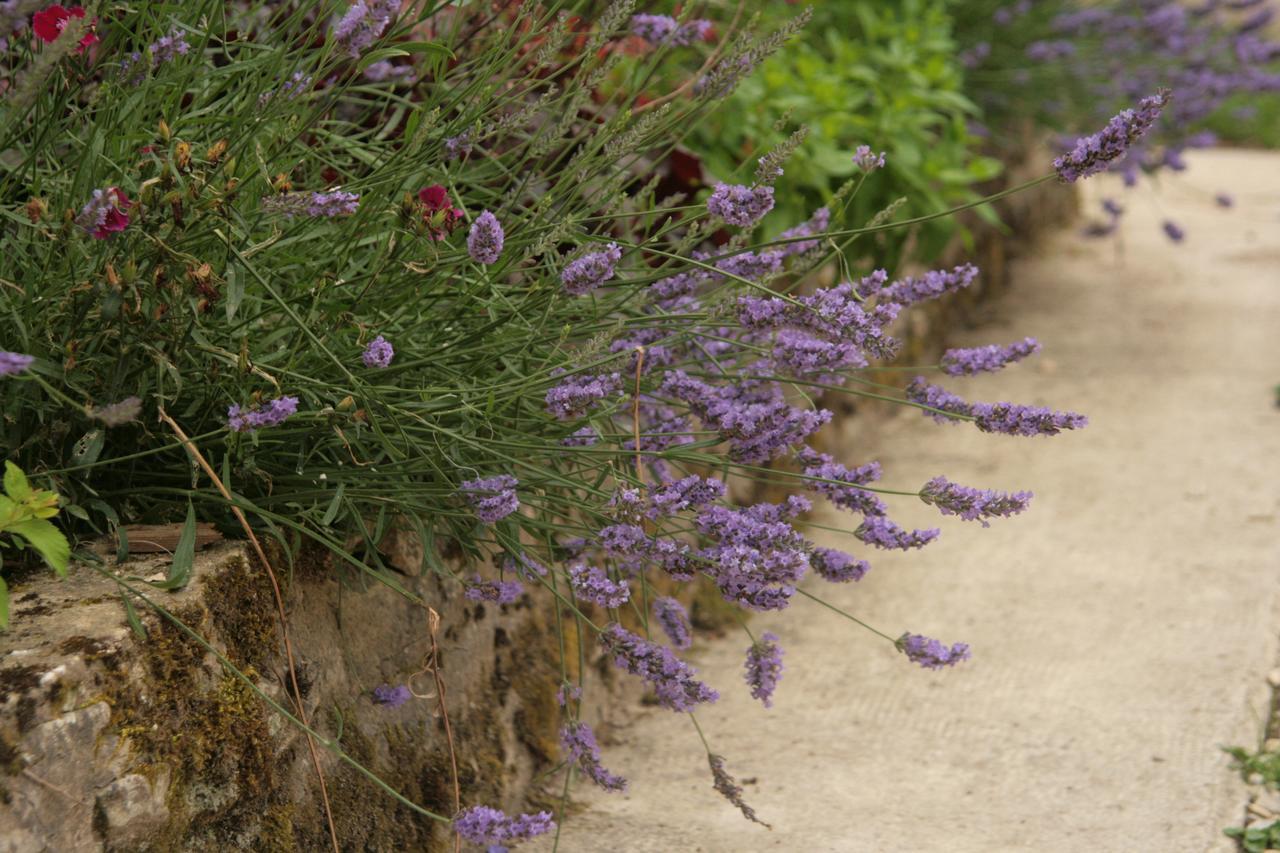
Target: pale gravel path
(1122, 628)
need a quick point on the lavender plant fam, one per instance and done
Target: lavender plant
(233, 241)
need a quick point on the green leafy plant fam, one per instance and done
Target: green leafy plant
(1256, 839)
(24, 517)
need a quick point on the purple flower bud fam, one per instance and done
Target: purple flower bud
(490, 827)
(930, 653)
(492, 498)
(1093, 154)
(988, 359)
(590, 271)
(972, 504)
(484, 242)
(867, 160)
(740, 205)
(674, 621)
(671, 678)
(499, 592)
(13, 363)
(764, 667)
(378, 353)
(580, 748)
(269, 415)
(1173, 231)
(590, 583)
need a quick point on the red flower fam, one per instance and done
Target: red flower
(105, 214)
(439, 213)
(49, 23)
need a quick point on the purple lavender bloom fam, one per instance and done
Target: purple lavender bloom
(823, 467)
(837, 566)
(729, 789)
(590, 271)
(580, 746)
(688, 493)
(663, 29)
(269, 415)
(802, 354)
(972, 504)
(762, 312)
(1050, 50)
(1224, 200)
(584, 437)
(672, 679)
(490, 827)
(764, 667)
(323, 204)
(590, 583)
(568, 693)
(291, 90)
(752, 266)
(364, 23)
(674, 621)
(13, 363)
(931, 285)
(838, 313)
(882, 533)
(384, 70)
(867, 160)
(816, 224)
(577, 393)
(392, 697)
(988, 359)
(492, 498)
(499, 592)
(458, 147)
(484, 241)
(1173, 231)
(378, 353)
(169, 47)
(1006, 418)
(117, 414)
(930, 653)
(740, 205)
(1093, 154)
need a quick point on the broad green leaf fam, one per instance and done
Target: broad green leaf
(15, 482)
(48, 542)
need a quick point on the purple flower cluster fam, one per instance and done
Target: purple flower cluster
(845, 493)
(972, 504)
(671, 678)
(1006, 418)
(837, 566)
(663, 29)
(988, 359)
(882, 533)
(580, 748)
(815, 225)
(867, 160)
(13, 363)
(931, 285)
(378, 353)
(674, 621)
(392, 697)
(930, 653)
(591, 583)
(484, 241)
(492, 828)
(584, 437)
(271, 414)
(764, 667)
(691, 492)
(492, 498)
(577, 393)
(757, 558)
(740, 205)
(458, 147)
(1092, 154)
(364, 23)
(315, 204)
(590, 271)
(499, 592)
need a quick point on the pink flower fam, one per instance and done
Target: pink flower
(49, 23)
(439, 214)
(105, 214)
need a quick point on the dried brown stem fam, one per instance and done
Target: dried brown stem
(280, 610)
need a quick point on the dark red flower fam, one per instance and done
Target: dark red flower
(49, 23)
(438, 212)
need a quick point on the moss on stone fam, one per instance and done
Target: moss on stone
(243, 608)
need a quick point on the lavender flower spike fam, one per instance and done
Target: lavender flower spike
(580, 748)
(930, 653)
(1093, 154)
(492, 498)
(672, 679)
(272, 414)
(392, 697)
(972, 504)
(490, 827)
(988, 359)
(740, 205)
(364, 23)
(867, 160)
(484, 241)
(325, 204)
(590, 271)
(764, 667)
(674, 620)
(13, 363)
(592, 584)
(378, 353)
(730, 789)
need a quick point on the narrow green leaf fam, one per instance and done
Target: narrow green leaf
(234, 291)
(332, 512)
(184, 555)
(48, 541)
(131, 616)
(425, 47)
(4, 605)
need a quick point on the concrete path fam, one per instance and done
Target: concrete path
(1122, 629)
